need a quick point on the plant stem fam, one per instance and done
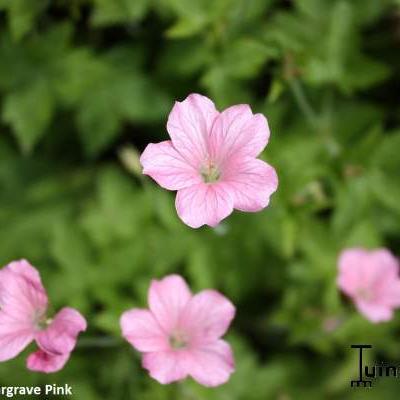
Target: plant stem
(303, 103)
(100, 342)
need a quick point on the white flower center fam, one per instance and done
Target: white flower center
(178, 340)
(210, 172)
(41, 321)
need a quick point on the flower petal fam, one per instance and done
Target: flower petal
(207, 317)
(374, 312)
(237, 131)
(15, 335)
(373, 270)
(391, 294)
(41, 361)
(351, 262)
(61, 335)
(212, 365)
(189, 126)
(252, 181)
(388, 264)
(167, 299)
(26, 270)
(167, 366)
(204, 204)
(384, 280)
(167, 167)
(142, 331)
(21, 291)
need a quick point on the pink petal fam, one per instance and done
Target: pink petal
(374, 312)
(351, 263)
(21, 292)
(26, 270)
(251, 182)
(142, 331)
(15, 335)
(41, 361)
(379, 269)
(204, 204)
(61, 335)
(391, 294)
(237, 131)
(211, 365)
(167, 167)
(373, 270)
(387, 264)
(207, 317)
(167, 298)
(189, 126)
(167, 366)
(386, 281)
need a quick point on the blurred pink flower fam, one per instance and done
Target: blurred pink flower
(180, 334)
(23, 306)
(371, 280)
(211, 161)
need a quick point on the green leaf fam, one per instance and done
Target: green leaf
(195, 16)
(385, 177)
(106, 92)
(29, 112)
(363, 72)
(108, 12)
(244, 57)
(186, 27)
(98, 122)
(224, 89)
(22, 15)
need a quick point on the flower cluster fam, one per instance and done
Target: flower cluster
(211, 160)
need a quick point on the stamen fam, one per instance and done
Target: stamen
(365, 294)
(42, 322)
(210, 173)
(178, 340)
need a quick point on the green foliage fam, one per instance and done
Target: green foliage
(86, 84)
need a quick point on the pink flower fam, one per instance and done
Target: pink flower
(211, 161)
(180, 334)
(23, 306)
(371, 280)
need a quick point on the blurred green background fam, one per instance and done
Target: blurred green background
(86, 84)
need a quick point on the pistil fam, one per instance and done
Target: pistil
(210, 173)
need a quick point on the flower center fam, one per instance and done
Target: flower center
(178, 340)
(210, 173)
(365, 294)
(41, 321)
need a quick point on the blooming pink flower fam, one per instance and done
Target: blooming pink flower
(23, 306)
(180, 334)
(371, 280)
(211, 161)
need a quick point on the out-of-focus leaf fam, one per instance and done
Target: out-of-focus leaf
(29, 112)
(106, 94)
(22, 15)
(385, 176)
(119, 11)
(244, 57)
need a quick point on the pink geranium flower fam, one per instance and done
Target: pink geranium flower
(180, 335)
(211, 161)
(23, 306)
(371, 280)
